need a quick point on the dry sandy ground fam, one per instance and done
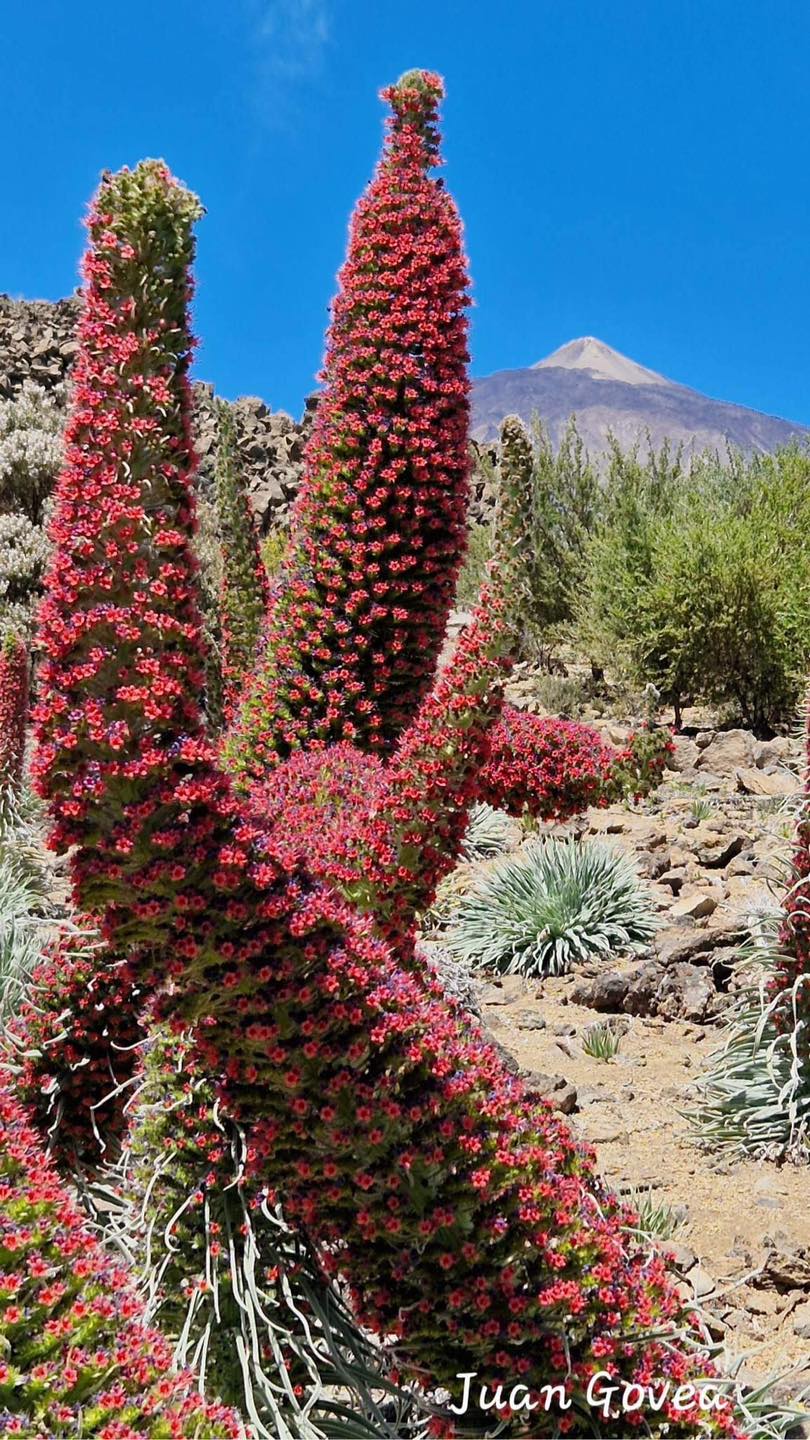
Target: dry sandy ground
(629, 1108)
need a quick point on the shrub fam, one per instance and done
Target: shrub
(550, 905)
(699, 586)
(562, 504)
(244, 594)
(75, 1358)
(30, 449)
(461, 1215)
(24, 551)
(379, 523)
(14, 667)
(473, 572)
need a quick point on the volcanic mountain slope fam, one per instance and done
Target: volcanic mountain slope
(610, 393)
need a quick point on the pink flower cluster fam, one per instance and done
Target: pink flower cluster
(75, 1357)
(379, 526)
(462, 1213)
(552, 769)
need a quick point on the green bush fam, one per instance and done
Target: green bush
(30, 449)
(552, 903)
(700, 583)
(474, 569)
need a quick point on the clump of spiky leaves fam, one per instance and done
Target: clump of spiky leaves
(462, 1214)
(75, 1355)
(244, 594)
(379, 525)
(551, 904)
(653, 1218)
(242, 1299)
(489, 832)
(23, 926)
(755, 1096)
(602, 1041)
(76, 1040)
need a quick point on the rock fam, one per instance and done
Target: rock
(683, 1258)
(767, 783)
(693, 906)
(702, 1282)
(502, 990)
(714, 851)
(686, 993)
(604, 991)
(673, 879)
(558, 1091)
(801, 1322)
(787, 1262)
(642, 992)
(685, 755)
(768, 753)
(739, 866)
(607, 1130)
(726, 752)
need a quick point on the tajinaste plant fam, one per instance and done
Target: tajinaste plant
(14, 668)
(379, 526)
(463, 1216)
(75, 1355)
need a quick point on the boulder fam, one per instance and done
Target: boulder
(726, 752)
(768, 783)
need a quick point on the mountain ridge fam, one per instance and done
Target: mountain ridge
(611, 393)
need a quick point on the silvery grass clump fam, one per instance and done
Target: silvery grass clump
(24, 924)
(755, 1098)
(549, 905)
(489, 832)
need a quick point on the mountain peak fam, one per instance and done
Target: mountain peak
(600, 362)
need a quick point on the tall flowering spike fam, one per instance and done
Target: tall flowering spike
(512, 511)
(460, 1212)
(244, 595)
(120, 625)
(14, 668)
(380, 522)
(75, 1355)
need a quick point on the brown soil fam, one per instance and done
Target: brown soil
(630, 1109)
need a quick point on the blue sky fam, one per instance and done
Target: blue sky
(631, 169)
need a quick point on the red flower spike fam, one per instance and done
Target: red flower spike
(14, 668)
(379, 524)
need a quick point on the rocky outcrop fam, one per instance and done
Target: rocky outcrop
(37, 343)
